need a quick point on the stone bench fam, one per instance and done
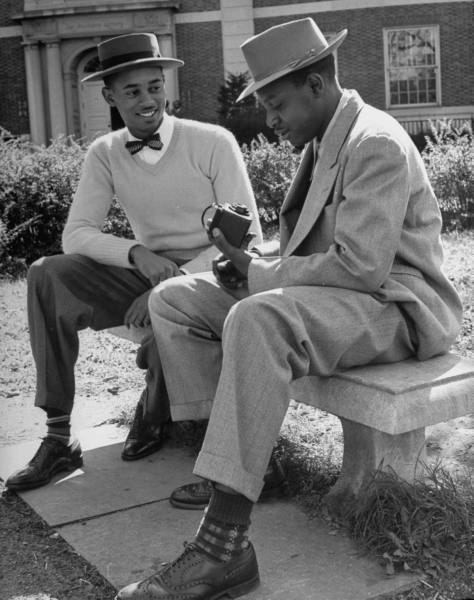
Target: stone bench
(384, 410)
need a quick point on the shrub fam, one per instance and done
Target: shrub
(246, 119)
(36, 187)
(271, 167)
(449, 159)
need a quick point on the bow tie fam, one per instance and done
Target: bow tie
(154, 142)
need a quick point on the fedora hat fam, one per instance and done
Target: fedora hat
(128, 51)
(283, 49)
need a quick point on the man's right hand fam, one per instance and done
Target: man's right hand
(154, 268)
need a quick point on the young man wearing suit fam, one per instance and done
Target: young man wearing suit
(355, 279)
(164, 172)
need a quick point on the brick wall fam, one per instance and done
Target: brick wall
(198, 5)
(361, 57)
(7, 9)
(200, 46)
(261, 3)
(13, 103)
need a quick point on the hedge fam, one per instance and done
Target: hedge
(37, 185)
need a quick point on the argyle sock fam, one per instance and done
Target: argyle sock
(223, 530)
(59, 426)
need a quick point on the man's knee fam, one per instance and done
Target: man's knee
(258, 312)
(168, 293)
(55, 265)
(44, 266)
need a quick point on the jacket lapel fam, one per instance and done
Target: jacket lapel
(296, 195)
(326, 170)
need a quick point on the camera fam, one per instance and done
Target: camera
(233, 220)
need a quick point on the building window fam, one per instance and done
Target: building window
(412, 66)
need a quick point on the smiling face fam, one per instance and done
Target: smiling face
(298, 112)
(139, 96)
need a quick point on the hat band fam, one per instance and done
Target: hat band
(124, 58)
(292, 64)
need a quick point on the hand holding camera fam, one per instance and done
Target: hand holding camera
(233, 221)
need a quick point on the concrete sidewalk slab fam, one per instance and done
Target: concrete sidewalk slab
(13, 457)
(298, 558)
(105, 483)
(118, 517)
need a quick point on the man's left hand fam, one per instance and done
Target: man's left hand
(238, 257)
(137, 313)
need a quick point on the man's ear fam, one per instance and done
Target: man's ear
(108, 96)
(316, 83)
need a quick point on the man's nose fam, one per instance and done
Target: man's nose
(147, 99)
(271, 118)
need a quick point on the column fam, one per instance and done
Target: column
(237, 26)
(171, 75)
(34, 90)
(57, 102)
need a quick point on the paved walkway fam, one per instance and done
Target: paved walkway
(117, 516)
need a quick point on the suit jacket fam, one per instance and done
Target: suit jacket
(369, 222)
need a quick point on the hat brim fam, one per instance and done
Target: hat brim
(166, 63)
(300, 64)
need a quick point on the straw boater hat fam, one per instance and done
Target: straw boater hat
(283, 49)
(132, 50)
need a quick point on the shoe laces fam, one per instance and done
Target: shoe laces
(185, 558)
(43, 450)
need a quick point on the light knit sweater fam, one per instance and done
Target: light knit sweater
(163, 202)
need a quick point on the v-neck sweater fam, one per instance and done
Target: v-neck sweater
(163, 202)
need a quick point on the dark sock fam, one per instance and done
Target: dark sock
(59, 426)
(223, 531)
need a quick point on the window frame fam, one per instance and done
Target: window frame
(436, 66)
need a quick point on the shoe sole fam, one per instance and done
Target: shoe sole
(238, 590)
(234, 592)
(65, 465)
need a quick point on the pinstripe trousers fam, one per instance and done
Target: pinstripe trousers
(67, 293)
(232, 358)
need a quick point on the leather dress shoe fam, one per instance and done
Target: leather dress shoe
(196, 496)
(52, 457)
(196, 576)
(143, 439)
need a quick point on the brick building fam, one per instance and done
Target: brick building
(413, 58)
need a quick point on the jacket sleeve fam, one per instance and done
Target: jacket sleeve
(371, 208)
(91, 203)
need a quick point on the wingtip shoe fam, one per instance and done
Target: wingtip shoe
(52, 457)
(196, 496)
(196, 576)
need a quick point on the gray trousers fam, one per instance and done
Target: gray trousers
(67, 293)
(235, 359)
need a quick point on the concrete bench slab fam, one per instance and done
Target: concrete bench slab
(384, 410)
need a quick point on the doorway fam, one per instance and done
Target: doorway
(96, 116)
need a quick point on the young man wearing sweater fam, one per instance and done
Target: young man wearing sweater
(164, 172)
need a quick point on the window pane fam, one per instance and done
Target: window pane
(412, 76)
